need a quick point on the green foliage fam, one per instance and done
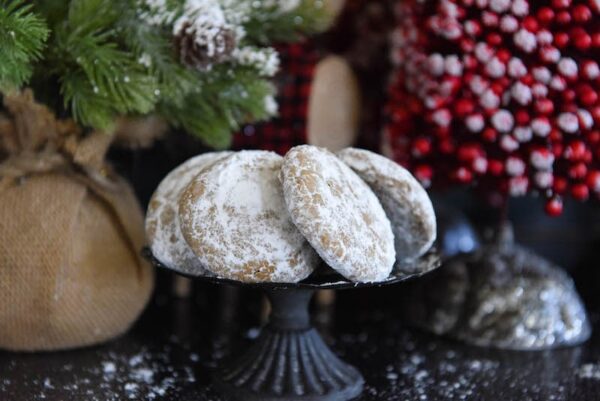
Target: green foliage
(220, 105)
(99, 80)
(269, 25)
(154, 43)
(105, 59)
(22, 37)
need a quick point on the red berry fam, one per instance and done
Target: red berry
(590, 69)
(446, 146)
(570, 107)
(470, 63)
(472, 27)
(557, 147)
(530, 23)
(580, 192)
(581, 13)
(568, 95)
(469, 152)
(545, 15)
(596, 39)
(463, 175)
(559, 185)
(442, 132)
(554, 206)
(497, 87)
(578, 171)
(522, 117)
(494, 39)
(527, 79)
(463, 107)
(593, 137)
(587, 95)
(593, 180)
(582, 41)
(467, 45)
(421, 147)
(561, 3)
(489, 134)
(561, 39)
(495, 167)
(575, 151)
(563, 17)
(424, 173)
(596, 113)
(544, 106)
(503, 55)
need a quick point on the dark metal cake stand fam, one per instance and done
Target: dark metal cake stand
(290, 361)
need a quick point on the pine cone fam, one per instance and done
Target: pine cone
(198, 50)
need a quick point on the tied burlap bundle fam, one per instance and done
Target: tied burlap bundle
(70, 235)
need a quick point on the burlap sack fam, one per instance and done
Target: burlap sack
(70, 235)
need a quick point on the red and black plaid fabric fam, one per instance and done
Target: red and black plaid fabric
(294, 84)
(361, 36)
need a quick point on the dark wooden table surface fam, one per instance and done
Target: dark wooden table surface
(171, 350)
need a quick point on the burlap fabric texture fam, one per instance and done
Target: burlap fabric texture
(70, 235)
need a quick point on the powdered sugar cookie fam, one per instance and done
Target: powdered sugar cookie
(233, 215)
(338, 214)
(404, 200)
(162, 223)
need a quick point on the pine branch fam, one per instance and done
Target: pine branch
(22, 37)
(99, 79)
(228, 99)
(108, 58)
(268, 25)
(153, 48)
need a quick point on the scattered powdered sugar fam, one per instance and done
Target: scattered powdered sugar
(589, 371)
(143, 375)
(109, 368)
(413, 366)
(135, 360)
(105, 376)
(398, 365)
(137, 375)
(131, 389)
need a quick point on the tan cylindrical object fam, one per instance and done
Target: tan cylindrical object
(333, 106)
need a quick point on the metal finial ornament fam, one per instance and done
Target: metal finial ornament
(290, 361)
(501, 296)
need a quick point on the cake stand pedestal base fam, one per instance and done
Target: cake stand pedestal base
(289, 361)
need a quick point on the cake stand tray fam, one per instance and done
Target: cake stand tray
(290, 361)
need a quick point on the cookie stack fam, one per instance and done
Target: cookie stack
(254, 216)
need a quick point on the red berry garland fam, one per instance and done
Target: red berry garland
(502, 94)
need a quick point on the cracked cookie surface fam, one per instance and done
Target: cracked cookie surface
(404, 200)
(338, 214)
(162, 223)
(233, 216)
